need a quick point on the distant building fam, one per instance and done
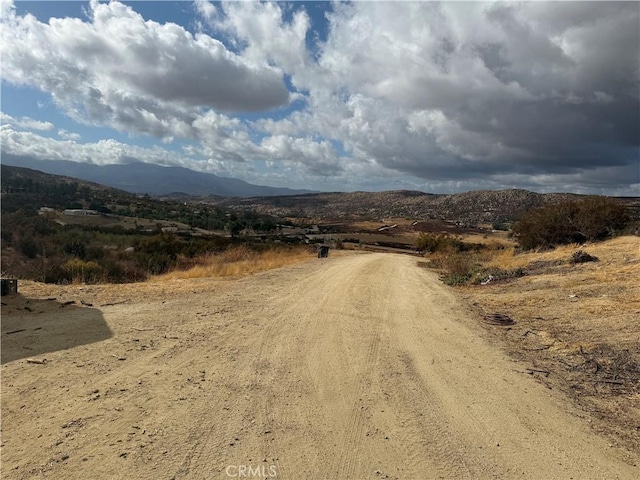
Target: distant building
(78, 212)
(44, 210)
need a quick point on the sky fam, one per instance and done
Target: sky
(369, 95)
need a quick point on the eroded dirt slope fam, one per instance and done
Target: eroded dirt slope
(362, 366)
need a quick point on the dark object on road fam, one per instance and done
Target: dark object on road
(498, 319)
(323, 251)
(582, 257)
(9, 286)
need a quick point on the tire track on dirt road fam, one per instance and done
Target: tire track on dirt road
(350, 453)
(360, 366)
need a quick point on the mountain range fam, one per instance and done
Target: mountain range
(142, 178)
(469, 208)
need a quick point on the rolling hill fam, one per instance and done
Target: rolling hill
(469, 208)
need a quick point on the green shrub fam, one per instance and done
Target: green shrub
(455, 280)
(158, 253)
(442, 242)
(503, 225)
(458, 268)
(81, 271)
(75, 248)
(495, 274)
(591, 219)
(466, 268)
(28, 247)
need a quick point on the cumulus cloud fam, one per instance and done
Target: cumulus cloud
(118, 69)
(445, 91)
(267, 36)
(62, 133)
(20, 144)
(25, 122)
(319, 157)
(28, 144)
(441, 96)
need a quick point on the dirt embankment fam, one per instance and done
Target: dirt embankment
(361, 366)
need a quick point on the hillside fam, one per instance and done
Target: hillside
(28, 190)
(32, 189)
(468, 208)
(108, 235)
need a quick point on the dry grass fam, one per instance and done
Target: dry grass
(581, 322)
(619, 251)
(238, 261)
(492, 240)
(596, 295)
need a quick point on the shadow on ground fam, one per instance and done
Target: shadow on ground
(32, 327)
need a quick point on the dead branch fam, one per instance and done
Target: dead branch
(114, 303)
(16, 331)
(613, 382)
(36, 361)
(535, 370)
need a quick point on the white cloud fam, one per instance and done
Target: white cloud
(319, 157)
(446, 91)
(267, 36)
(206, 9)
(438, 95)
(25, 122)
(62, 133)
(119, 70)
(103, 152)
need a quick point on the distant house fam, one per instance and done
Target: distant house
(44, 210)
(78, 212)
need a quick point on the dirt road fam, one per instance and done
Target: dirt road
(355, 367)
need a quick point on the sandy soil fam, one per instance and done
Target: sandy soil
(360, 366)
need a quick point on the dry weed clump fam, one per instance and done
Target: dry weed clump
(237, 261)
(488, 265)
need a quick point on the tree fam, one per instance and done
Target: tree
(591, 219)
